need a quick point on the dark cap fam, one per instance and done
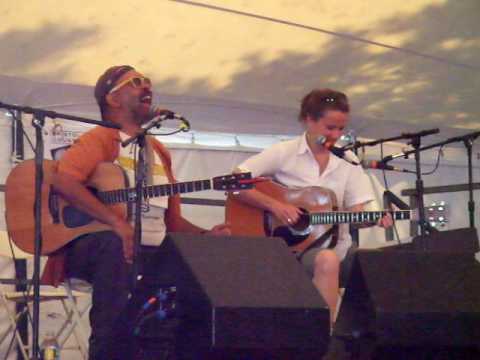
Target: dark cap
(107, 81)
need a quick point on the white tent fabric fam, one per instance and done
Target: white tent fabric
(404, 64)
(205, 114)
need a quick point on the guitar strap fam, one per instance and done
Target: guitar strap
(333, 231)
(334, 240)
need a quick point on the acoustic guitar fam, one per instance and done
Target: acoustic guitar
(62, 222)
(319, 207)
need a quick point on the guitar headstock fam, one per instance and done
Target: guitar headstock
(233, 182)
(437, 214)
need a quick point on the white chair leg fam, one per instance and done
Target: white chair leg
(71, 326)
(79, 329)
(13, 325)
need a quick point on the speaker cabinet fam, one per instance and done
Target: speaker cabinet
(239, 292)
(463, 240)
(410, 298)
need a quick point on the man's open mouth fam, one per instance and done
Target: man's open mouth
(147, 99)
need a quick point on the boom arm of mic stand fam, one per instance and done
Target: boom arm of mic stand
(143, 132)
(42, 113)
(358, 144)
(406, 154)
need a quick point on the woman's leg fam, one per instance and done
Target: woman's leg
(326, 268)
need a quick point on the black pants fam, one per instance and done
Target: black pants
(98, 259)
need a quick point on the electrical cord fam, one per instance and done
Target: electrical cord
(170, 133)
(439, 154)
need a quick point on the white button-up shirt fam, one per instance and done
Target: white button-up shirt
(293, 164)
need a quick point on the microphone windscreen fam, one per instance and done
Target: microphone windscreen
(158, 111)
(320, 140)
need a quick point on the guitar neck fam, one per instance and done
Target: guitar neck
(130, 194)
(349, 217)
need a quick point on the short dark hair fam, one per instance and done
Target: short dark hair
(106, 82)
(318, 101)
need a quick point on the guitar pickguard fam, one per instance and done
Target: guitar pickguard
(288, 236)
(292, 235)
(73, 218)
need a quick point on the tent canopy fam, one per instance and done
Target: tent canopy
(243, 66)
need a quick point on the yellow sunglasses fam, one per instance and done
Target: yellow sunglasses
(136, 82)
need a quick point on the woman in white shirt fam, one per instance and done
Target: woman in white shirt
(306, 161)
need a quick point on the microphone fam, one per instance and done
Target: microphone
(347, 155)
(344, 154)
(165, 114)
(321, 140)
(394, 156)
(380, 165)
(185, 125)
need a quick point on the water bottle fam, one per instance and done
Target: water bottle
(49, 348)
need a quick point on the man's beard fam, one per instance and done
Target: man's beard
(142, 114)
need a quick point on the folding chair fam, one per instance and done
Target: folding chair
(67, 296)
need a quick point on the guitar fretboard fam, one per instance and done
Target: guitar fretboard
(130, 194)
(342, 217)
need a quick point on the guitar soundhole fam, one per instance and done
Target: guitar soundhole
(73, 217)
(303, 222)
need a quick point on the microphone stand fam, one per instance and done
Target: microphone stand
(471, 203)
(140, 194)
(38, 123)
(468, 140)
(359, 144)
(419, 186)
(416, 142)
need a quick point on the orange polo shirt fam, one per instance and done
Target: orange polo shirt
(92, 148)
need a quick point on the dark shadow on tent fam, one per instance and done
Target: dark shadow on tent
(390, 91)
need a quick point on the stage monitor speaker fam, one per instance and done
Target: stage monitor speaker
(407, 298)
(464, 240)
(453, 241)
(239, 292)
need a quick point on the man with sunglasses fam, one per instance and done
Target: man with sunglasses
(306, 161)
(103, 259)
